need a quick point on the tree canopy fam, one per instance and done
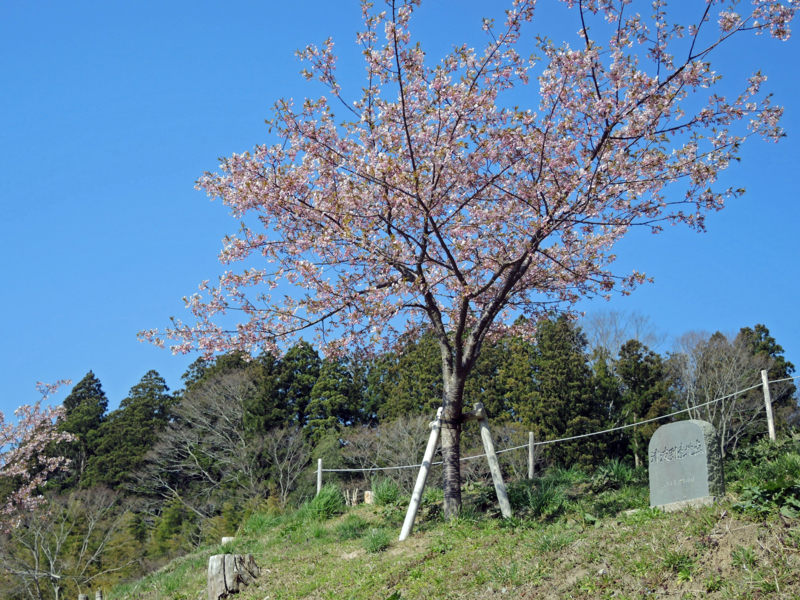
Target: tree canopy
(435, 205)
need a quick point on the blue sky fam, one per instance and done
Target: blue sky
(111, 111)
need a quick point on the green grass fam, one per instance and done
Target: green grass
(565, 541)
(385, 492)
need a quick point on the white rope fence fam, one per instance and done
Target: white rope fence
(567, 439)
(764, 384)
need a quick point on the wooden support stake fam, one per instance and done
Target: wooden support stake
(768, 405)
(319, 476)
(494, 465)
(425, 467)
(530, 454)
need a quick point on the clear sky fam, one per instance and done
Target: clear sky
(111, 111)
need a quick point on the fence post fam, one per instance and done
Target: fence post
(319, 475)
(530, 454)
(419, 486)
(494, 465)
(98, 595)
(768, 405)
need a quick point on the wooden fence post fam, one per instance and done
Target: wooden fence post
(319, 475)
(768, 405)
(494, 465)
(530, 454)
(425, 467)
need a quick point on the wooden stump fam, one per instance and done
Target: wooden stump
(229, 573)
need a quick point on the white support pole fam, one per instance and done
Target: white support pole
(530, 454)
(768, 405)
(424, 469)
(494, 465)
(319, 475)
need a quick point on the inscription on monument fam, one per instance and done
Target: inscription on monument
(685, 464)
(676, 452)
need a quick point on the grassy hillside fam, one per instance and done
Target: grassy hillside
(570, 538)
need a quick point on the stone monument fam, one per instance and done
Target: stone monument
(685, 466)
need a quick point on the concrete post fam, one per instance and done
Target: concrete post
(768, 405)
(419, 487)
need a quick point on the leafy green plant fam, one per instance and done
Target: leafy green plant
(568, 476)
(743, 557)
(617, 471)
(433, 495)
(677, 560)
(385, 492)
(377, 540)
(782, 495)
(713, 583)
(546, 500)
(327, 504)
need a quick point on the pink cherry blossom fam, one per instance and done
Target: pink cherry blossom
(23, 456)
(434, 204)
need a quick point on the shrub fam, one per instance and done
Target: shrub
(782, 495)
(328, 503)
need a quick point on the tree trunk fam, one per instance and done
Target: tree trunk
(451, 442)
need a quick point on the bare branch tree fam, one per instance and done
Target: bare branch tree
(288, 454)
(709, 367)
(206, 449)
(607, 330)
(62, 546)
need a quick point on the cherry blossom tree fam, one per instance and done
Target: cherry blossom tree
(23, 456)
(437, 204)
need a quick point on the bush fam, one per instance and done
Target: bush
(328, 503)
(782, 495)
(385, 492)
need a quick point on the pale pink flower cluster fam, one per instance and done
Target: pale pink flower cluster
(23, 456)
(433, 203)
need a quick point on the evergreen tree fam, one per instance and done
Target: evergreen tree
(130, 431)
(784, 403)
(267, 408)
(413, 382)
(608, 395)
(296, 376)
(85, 411)
(487, 382)
(562, 404)
(645, 394)
(334, 402)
